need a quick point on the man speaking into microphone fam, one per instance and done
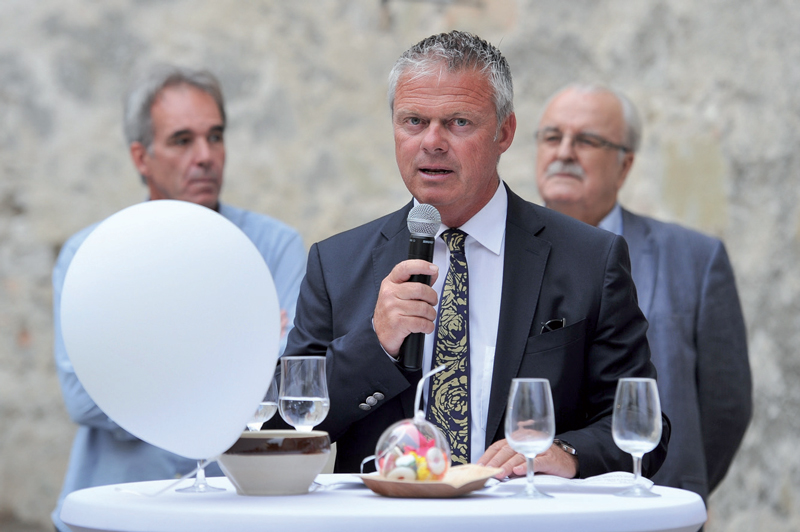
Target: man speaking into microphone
(518, 290)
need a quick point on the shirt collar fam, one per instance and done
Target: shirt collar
(613, 220)
(488, 226)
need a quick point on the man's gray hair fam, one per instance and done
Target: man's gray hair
(633, 123)
(138, 122)
(460, 51)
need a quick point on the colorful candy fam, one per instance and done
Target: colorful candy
(413, 450)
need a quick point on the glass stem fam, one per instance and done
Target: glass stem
(200, 477)
(530, 487)
(637, 469)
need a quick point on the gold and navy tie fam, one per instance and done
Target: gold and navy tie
(449, 393)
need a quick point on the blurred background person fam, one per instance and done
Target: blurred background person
(586, 143)
(174, 126)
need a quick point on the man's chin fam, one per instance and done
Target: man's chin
(206, 200)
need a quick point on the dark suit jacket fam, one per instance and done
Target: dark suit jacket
(554, 267)
(699, 346)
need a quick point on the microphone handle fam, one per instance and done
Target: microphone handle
(411, 352)
(410, 357)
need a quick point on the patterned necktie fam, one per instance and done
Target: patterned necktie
(449, 392)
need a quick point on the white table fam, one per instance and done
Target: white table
(347, 505)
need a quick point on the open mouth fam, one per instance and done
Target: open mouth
(435, 171)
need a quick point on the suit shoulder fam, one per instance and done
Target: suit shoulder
(675, 236)
(258, 224)
(359, 236)
(562, 225)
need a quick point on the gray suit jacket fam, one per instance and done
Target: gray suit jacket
(698, 343)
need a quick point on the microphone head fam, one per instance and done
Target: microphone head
(424, 220)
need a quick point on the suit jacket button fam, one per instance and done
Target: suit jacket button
(371, 401)
(378, 395)
(364, 406)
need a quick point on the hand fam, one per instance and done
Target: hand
(284, 322)
(404, 308)
(554, 461)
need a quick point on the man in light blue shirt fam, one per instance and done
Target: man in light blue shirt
(174, 125)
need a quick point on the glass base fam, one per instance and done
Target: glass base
(637, 491)
(199, 488)
(528, 493)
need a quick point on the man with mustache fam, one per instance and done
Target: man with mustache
(174, 125)
(587, 139)
(528, 292)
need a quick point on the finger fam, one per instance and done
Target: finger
(414, 292)
(505, 458)
(491, 452)
(514, 466)
(403, 271)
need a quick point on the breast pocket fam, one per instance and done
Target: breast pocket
(554, 340)
(559, 357)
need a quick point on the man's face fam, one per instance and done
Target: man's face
(578, 175)
(187, 155)
(447, 142)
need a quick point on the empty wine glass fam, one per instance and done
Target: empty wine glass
(530, 424)
(303, 398)
(268, 405)
(636, 426)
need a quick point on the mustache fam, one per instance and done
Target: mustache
(205, 173)
(560, 167)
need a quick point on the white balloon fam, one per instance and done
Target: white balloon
(172, 323)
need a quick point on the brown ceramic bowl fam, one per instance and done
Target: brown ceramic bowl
(275, 462)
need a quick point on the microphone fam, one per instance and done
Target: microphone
(423, 223)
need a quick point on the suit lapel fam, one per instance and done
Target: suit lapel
(644, 258)
(394, 249)
(384, 258)
(523, 270)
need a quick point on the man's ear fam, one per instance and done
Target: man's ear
(139, 157)
(506, 133)
(627, 163)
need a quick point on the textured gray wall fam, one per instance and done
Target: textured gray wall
(309, 141)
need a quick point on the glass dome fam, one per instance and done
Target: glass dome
(413, 449)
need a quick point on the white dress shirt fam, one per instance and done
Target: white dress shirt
(484, 249)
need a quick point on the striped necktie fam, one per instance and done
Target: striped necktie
(449, 392)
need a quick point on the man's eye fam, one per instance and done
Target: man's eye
(461, 122)
(214, 138)
(552, 138)
(181, 141)
(414, 121)
(587, 142)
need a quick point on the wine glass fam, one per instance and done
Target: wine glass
(530, 425)
(303, 398)
(636, 426)
(268, 405)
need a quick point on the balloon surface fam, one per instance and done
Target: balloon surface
(171, 320)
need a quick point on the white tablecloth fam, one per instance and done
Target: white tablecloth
(346, 505)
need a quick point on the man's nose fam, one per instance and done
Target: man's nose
(202, 152)
(434, 138)
(566, 150)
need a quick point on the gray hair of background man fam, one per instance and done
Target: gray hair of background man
(138, 123)
(633, 124)
(460, 51)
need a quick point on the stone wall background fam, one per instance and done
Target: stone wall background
(309, 141)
